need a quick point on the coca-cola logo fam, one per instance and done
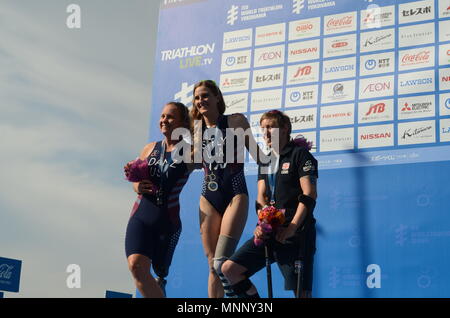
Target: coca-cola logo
(422, 56)
(339, 44)
(6, 271)
(344, 21)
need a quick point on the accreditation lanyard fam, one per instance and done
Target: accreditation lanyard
(273, 179)
(163, 169)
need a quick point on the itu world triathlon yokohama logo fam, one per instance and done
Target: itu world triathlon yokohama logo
(297, 6)
(232, 15)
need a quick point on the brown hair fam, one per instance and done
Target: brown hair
(184, 113)
(211, 85)
(282, 120)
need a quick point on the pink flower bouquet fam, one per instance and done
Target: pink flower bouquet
(137, 171)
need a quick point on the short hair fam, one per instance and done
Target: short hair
(282, 120)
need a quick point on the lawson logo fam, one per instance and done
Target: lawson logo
(10, 274)
(415, 82)
(341, 68)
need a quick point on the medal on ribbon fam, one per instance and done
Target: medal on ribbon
(212, 184)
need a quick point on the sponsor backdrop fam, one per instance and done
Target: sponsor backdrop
(369, 83)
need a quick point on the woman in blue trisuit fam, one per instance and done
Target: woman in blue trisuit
(224, 198)
(154, 226)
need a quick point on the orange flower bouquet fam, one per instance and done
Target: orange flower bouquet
(269, 219)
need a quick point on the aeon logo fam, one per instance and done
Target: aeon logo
(302, 71)
(230, 61)
(295, 97)
(370, 64)
(266, 56)
(6, 271)
(377, 87)
(344, 21)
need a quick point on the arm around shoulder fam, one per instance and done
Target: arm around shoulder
(238, 120)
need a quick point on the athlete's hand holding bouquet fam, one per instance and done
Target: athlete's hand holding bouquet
(137, 171)
(269, 220)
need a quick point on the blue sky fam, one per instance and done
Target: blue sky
(75, 107)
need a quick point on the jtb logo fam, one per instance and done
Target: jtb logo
(377, 108)
(306, 70)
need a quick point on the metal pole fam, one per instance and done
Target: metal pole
(269, 271)
(299, 271)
